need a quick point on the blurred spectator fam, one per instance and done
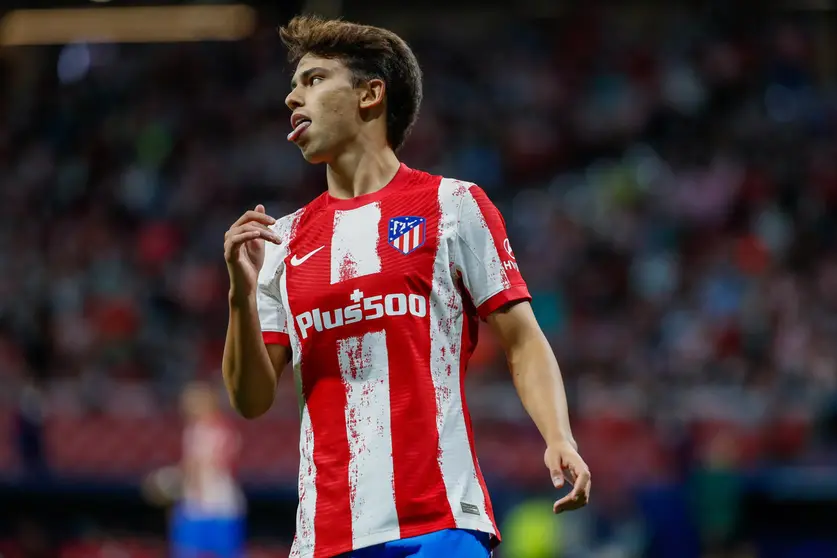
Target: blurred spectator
(209, 518)
(29, 426)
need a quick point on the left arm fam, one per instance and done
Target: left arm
(534, 371)
(537, 379)
(484, 258)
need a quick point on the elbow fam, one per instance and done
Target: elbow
(249, 413)
(250, 410)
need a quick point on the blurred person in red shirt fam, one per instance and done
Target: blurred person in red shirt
(209, 516)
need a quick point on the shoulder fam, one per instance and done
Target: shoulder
(287, 225)
(468, 207)
(286, 228)
(462, 198)
(451, 192)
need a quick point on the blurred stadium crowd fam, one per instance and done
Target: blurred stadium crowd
(668, 177)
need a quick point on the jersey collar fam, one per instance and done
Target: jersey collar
(401, 178)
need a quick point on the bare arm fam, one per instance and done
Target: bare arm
(537, 379)
(251, 368)
(534, 370)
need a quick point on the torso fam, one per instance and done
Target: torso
(381, 332)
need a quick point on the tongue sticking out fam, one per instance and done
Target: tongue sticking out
(298, 130)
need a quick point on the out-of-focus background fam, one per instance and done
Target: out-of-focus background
(668, 174)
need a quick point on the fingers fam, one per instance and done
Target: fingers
(233, 243)
(260, 231)
(250, 226)
(578, 496)
(254, 215)
(236, 236)
(565, 504)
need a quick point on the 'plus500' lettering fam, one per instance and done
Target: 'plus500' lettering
(370, 308)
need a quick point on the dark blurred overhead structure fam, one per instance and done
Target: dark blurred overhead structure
(45, 22)
(147, 24)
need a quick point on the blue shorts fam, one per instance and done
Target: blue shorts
(195, 537)
(460, 543)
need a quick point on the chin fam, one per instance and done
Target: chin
(314, 156)
(313, 159)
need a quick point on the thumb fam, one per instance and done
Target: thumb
(557, 478)
(260, 208)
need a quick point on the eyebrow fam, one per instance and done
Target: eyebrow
(307, 73)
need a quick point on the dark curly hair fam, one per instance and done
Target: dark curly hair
(369, 53)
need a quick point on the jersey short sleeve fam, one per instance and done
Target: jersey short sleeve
(272, 313)
(484, 257)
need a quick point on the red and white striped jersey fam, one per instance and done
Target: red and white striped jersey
(210, 449)
(379, 298)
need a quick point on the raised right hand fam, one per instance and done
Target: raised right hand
(244, 250)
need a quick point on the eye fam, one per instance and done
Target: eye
(316, 79)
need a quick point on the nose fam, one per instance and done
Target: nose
(293, 100)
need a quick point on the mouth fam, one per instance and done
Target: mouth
(300, 123)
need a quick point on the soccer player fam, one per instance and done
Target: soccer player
(208, 519)
(374, 292)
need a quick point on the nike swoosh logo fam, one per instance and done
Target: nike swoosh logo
(299, 261)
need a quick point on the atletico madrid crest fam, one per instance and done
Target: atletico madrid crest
(407, 233)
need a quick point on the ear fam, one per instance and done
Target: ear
(372, 93)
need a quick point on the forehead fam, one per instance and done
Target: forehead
(311, 61)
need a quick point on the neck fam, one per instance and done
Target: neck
(361, 171)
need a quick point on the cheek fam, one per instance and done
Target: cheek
(337, 105)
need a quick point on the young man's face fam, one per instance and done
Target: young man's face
(323, 93)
